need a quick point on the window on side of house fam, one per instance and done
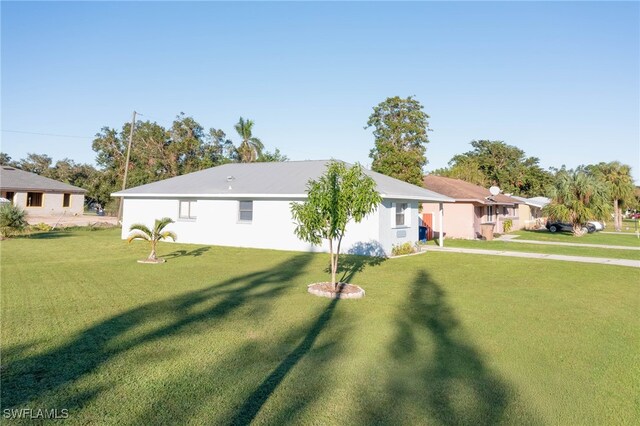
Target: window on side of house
(188, 209)
(490, 210)
(66, 200)
(10, 195)
(245, 211)
(34, 199)
(401, 208)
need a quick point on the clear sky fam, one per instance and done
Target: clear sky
(559, 80)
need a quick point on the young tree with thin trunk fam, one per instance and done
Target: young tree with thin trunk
(139, 231)
(343, 194)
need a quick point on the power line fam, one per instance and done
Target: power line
(47, 134)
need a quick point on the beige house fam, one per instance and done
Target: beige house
(473, 207)
(531, 216)
(38, 195)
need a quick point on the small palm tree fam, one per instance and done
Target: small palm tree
(139, 231)
(250, 148)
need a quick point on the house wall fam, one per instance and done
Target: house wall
(390, 233)
(51, 203)
(272, 227)
(459, 219)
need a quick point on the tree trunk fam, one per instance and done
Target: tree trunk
(333, 269)
(617, 219)
(152, 256)
(578, 230)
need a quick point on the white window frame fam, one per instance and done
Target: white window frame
(405, 213)
(190, 207)
(241, 210)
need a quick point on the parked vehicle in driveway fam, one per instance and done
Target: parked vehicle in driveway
(599, 225)
(555, 226)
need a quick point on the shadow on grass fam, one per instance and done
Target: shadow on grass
(182, 253)
(57, 372)
(44, 235)
(436, 371)
(351, 264)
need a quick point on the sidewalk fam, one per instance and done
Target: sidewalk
(514, 239)
(600, 260)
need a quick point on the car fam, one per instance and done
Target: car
(555, 226)
(599, 225)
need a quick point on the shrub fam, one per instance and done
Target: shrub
(508, 224)
(41, 227)
(399, 250)
(12, 220)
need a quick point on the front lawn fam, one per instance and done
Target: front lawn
(225, 335)
(546, 249)
(630, 240)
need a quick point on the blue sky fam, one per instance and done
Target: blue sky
(559, 80)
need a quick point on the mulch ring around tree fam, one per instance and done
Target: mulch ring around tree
(152, 261)
(343, 291)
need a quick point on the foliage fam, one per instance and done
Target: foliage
(402, 249)
(42, 227)
(339, 196)
(250, 147)
(275, 156)
(507, 225)
(12, 220)
(139, 231)
(400, 130)
(617, 177)
(496, 163)
(578, 197)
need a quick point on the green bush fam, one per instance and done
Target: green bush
(41, 227)
(399, 250)
(12, 220)
(507, 225)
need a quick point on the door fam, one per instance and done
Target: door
(427, 220)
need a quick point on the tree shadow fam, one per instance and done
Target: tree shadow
(182, 253)
(436, 371)
(27, 378)
(351, 264)
(43, 235)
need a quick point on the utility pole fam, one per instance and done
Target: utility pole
(126, 165)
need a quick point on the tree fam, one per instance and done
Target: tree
(35, 163)
(400, 131)
(578, 197)
(275, 156)
(12, 219)
(500, 164)
(250, 147)
(139, 231)
(339, 196)
(5, 159)
(617, 177)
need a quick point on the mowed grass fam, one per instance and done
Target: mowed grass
(629, 240)
(546, 249)
(230, 336)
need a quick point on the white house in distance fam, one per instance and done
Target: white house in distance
(249, 205)
(38, 195)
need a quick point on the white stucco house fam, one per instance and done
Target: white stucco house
(249, 205)
(38, 195)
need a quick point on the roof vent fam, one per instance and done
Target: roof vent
(229, 179)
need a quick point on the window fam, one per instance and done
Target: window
(490, 213)
(400, 213)
(188, 209)
(245, 211)
(66, 200)
(10, 196)
(34, 199)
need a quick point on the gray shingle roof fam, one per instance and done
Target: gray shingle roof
(16, 179)
(267, 180)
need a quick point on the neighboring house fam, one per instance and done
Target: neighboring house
(473, 206)
(249, 205)
(38, 195)
(531, 216)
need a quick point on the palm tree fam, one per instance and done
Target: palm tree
(577, 198)
(250, 148)
(618, 178)
(139, 231)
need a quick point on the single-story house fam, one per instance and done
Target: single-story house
(249, 205)
(473, 206)
(38, 195)
(531, 216)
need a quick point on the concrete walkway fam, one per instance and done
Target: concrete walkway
(583, 259)
(513, 239)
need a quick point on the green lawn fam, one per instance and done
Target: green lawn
(566, 237)
(628, 225)
(224, 335)
(547, 249)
